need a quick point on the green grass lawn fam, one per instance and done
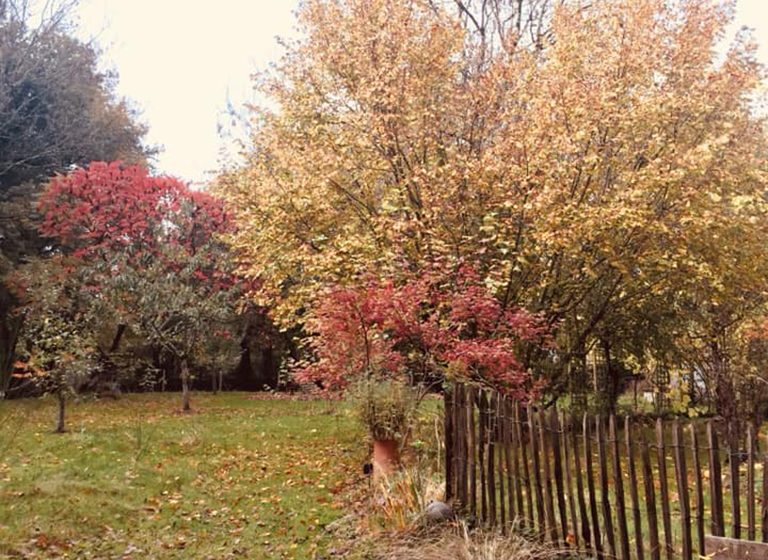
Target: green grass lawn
(134, 478)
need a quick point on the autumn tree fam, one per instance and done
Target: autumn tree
(57, 109)
(152, 249)
(181, 310)
(609, 176)
(57, 350)
(425, 330)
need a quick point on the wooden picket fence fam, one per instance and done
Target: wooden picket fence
(615, 488)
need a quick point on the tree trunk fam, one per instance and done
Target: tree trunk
(60, 425)
(118, 337)
(578, 378)
(185, 386)
(10, 327)
(634, 390)
(607, 380)
(725, 399)
(214, 382)
(614, 378)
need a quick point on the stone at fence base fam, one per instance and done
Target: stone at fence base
(438, 512)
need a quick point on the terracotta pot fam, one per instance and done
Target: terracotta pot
(386, 457)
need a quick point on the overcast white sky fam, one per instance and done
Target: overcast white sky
(180, 60)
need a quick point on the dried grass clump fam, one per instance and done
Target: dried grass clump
(398, 502)
(459, 543)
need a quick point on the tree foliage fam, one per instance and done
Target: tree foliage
(424, 330)
(57, 109)
(610, 174)
(57, 350)
(110, 207)
(152, 251)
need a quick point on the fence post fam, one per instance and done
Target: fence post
(681, 476)
(549, 499)
(661, 459)
(490, 434)
(540, 517)
(483, 420)
(586, 534)
(733, 469)
(650, 500)
(618, 485)
(554, 423)
(604, 489)
(633, 493)
(524, 461)
(471, 399)
(765, 492)
(567, 452)
(460, 453)
(715, 483)
(591, 486)
(750, 482)
(448, 426)
(699, 491)
(512, 475)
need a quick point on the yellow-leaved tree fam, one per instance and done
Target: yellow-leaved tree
(601, 163)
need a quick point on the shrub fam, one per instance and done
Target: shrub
(385, 407)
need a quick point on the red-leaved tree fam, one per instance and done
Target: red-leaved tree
(109, 207)
(153, 246)
(427, 329)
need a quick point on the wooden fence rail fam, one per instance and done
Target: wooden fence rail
(613, 487)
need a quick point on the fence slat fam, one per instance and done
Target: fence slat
(765, 492)
(472, 444)
(491, 464)
(549, 503)
(554, 423)
(715, 483)
(481, 445)
(661, 459)
(571, 537)
(733, 479)
(459, 447)
(681, 476)
(699, 490)
(517, 446)
(507, 439)
(618, 484)
(650, 500)
(605, 503)
(449, 442)
(499, 439)
(536, 473)
(598, 543)
(750, 483)
(583, 513)
(633, 493)
(466, 442)
(526, 470)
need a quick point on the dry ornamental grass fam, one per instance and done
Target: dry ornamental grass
(459, 543)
